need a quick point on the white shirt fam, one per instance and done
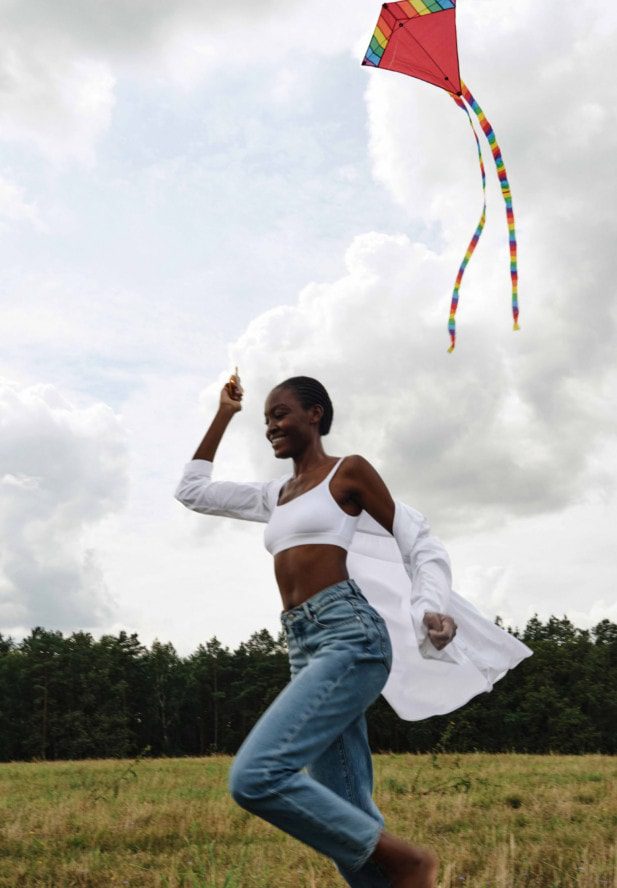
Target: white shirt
(403, 575)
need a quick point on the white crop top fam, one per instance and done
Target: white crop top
(313, 518)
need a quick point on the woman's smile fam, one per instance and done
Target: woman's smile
(276, 439)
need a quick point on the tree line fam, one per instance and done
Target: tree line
(77, 697)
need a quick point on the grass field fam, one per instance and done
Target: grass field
(496, 821)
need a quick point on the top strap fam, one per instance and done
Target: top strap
(333, 470)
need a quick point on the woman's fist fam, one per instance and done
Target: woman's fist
(441, 629)
(232, 393)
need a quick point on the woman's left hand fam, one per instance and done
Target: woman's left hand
(441, 629)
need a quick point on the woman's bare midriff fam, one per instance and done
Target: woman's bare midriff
(304, 570)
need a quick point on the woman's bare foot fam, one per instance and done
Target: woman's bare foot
(405, 865)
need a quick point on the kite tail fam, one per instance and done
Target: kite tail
(476, 236)
(505, 190)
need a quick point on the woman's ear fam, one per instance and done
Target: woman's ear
(316, 412)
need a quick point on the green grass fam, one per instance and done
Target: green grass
(496, 821)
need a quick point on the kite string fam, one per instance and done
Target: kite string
(476, 236)
(505, 190)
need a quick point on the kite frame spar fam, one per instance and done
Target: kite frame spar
(418, 38)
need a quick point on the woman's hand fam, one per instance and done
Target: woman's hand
(232, 394)
(441, 629)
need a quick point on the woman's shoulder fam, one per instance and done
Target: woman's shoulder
(355, 462)
(359, 472)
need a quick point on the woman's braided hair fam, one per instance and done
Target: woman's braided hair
(310, 392)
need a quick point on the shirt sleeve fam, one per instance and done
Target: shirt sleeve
(248, 500)
(427, 564)
(431, 574)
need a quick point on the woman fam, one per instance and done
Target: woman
(339, 649)
(340, 646)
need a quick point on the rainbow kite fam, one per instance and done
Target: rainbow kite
(418, 38)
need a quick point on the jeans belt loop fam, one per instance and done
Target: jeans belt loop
(307, 610)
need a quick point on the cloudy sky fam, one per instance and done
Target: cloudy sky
(191, 185)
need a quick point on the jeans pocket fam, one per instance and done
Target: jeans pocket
(335, 614)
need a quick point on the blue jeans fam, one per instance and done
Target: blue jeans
(340, 657)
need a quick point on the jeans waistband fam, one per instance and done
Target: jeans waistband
(311, 607)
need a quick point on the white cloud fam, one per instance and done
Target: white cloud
(62, 469)
(15, 207)
(60, 62)
(110, 334)
(552, 564)
(60, 103)
(599, 610)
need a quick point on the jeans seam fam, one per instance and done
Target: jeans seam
(345, 765)
(382, 639)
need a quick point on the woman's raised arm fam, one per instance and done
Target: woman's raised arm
(230, 403)
(248, 500)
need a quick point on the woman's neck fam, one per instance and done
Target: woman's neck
(311, 459)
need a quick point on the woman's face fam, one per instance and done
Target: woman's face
(289, 426)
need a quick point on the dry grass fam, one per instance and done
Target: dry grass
(504, 821)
